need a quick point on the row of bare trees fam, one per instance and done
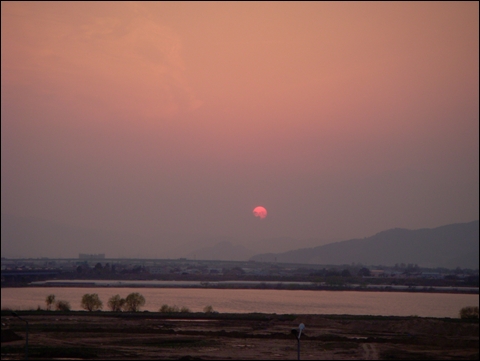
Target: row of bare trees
(91, 302)
(132, 303)
(60, 305)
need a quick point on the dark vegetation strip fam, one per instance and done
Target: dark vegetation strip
(193, 315)
(158, 315)
(223, 316)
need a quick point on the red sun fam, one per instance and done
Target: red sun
(260, 212)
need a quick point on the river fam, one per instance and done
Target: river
(253, 300)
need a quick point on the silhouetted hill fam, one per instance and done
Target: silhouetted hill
(454, 245)
(448, 246)
(228, 249)
(284, 244)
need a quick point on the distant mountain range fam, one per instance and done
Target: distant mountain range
(450, 246)
(228, 249)
(447, 246)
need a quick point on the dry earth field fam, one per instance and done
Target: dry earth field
(197, 336)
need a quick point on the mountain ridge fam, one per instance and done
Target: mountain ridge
(446, 246)
(453, 245)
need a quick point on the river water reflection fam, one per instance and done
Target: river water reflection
(251, 300)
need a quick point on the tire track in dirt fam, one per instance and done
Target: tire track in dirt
(371, 352)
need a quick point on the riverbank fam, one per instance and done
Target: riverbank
(251, 285)
(423, 304)
(152, 335)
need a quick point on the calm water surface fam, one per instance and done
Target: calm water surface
(265, 301)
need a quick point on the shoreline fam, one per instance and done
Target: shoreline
(218, 316)
(306, 286)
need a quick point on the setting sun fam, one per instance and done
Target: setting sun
(260, 212)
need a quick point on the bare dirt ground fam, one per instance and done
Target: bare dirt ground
(106, 335)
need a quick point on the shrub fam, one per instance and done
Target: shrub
(208, 309)
(165, 308)
(62, 305)
(134, 301)
(91, 302)
(469, 312)
(49, 301)
(174, 308)
(169, 309)
(116, 303)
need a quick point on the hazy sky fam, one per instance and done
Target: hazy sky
(341, 119)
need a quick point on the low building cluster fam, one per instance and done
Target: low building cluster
(15, 271)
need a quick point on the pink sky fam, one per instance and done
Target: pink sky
(342, 119)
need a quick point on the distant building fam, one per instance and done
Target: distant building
(91, 256)
(377, 273)
(434, 275)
